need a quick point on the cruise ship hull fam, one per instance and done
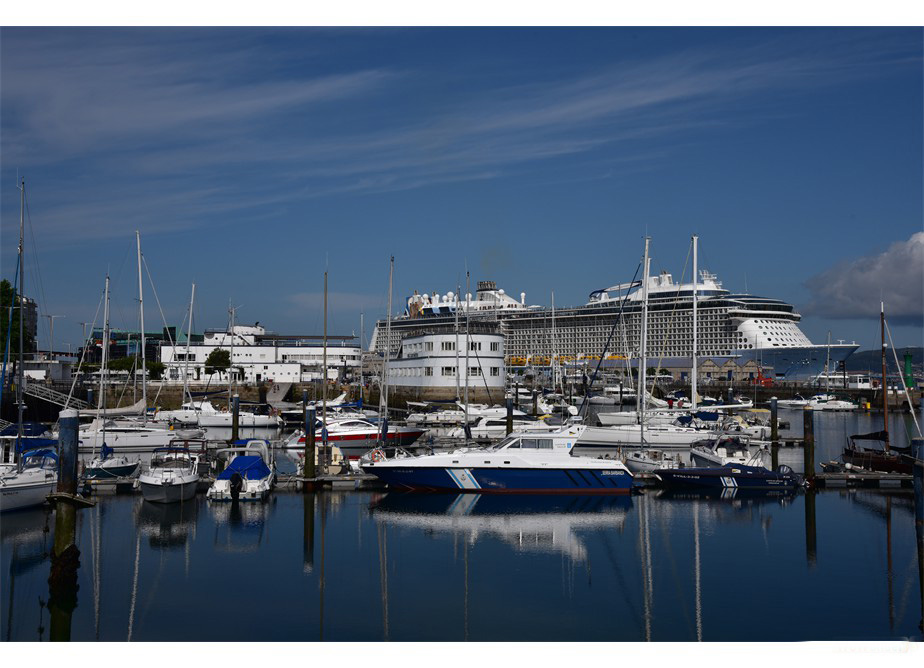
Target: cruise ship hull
(799, 362)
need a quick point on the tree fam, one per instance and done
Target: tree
(7, 297)
(218, 360)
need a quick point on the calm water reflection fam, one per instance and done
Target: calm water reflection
(389, 566)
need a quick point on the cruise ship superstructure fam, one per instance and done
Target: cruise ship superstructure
(741, 326)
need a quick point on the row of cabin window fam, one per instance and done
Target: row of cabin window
(473, 345)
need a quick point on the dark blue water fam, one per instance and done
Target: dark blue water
(364, 566)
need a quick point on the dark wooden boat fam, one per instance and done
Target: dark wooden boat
(885, 459)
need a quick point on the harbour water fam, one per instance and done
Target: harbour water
(372, 566)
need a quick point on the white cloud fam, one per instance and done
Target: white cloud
(854, 288)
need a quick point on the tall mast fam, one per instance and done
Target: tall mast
(362, 333)
(458, 392)
(144, 369)
(695, 333)
(231, 311)
(885, 385)
(554, 343)
(643, 352)
(189, 326)
(22, 311)
(104, 368)
(324, 360)
(383, 384)
(468, 322)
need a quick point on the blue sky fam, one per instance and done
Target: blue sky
(251, 159)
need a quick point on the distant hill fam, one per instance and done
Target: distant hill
(871, 360)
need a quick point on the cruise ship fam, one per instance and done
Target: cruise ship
(741, 326)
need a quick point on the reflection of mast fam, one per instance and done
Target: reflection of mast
(383, 576)
(131, 610)
(890, 574)
(696, 572)
(321, 578)
(465, 606)
(645, 547)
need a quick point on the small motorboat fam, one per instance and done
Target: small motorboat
(249, 475)
(108, 465)
(172, 476)
(28, 484)
(725, 450)
(730, 476)
(355, 436)
(645, 461)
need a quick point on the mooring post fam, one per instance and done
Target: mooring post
(535, 402)
(808, 446)
(811, 547)
(235, 417)
(309, 470)
(90, 396)
(509, 415)
(308, 537)
(774, 434)
(65, 557)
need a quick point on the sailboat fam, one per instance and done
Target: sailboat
(122, 436)
(208, 418)
(29, 480)
(642, 432)
(889, 459)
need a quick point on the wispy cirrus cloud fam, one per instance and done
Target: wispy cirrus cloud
(198, 128)
(855, 288)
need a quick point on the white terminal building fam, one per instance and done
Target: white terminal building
(259, 356)
(432, 365)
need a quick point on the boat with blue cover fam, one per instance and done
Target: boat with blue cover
(524, 462)
(730, 476)
(249, 475)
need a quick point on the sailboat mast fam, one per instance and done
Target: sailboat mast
(231, 310)
(144, 369)
(643, 345)
(22, 312)
(362, 334)
(458, 392)
(383, 384)
(468, 345)
(189, 326)
(104, 368)
(554, 341)
(885, 385)
(693, 370)
(324, 360)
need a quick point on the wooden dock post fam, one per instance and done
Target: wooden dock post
(811, 545)
(509, 415)
(65, 556)
(309, 470)
(808, 448)
(774, 435)
(235, 417)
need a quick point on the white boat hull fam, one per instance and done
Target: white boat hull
(631, 435)
(172, 492)
(14, 497)
(244, 420)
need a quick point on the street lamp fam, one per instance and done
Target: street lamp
(51, 345)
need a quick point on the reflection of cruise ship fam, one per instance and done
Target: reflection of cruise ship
(729, 325)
